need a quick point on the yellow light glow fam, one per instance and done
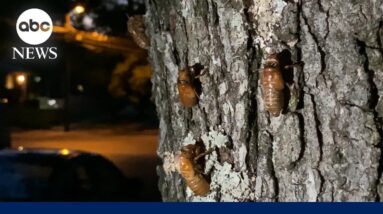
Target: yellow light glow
(4, 100)
(80, 88)
(9, 82)
(20, 148)
(78, 37)
(20, 79)
(64, 152)
(78, 9)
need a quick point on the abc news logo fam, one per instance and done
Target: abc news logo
(34, 27)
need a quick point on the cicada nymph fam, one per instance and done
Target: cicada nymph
(191, 171)
(272, 85)
(136, 28)
(187, 86)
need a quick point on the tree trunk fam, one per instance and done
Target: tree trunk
(326, 146)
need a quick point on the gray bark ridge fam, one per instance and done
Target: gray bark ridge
(326, 147)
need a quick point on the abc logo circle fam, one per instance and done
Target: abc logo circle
(34, 26)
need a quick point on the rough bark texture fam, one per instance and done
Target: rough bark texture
(325, 147)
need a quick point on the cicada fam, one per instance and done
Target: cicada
(191, 171)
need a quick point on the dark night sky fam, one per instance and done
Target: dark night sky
(14, 8)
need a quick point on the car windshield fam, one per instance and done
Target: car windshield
(22, 179)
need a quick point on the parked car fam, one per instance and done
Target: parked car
(60, 175)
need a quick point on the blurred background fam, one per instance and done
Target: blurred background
(82, 126)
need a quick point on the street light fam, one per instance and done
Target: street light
(78, 9)
(20, 79)
(64, 152)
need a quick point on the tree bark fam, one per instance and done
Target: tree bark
(326, 146)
